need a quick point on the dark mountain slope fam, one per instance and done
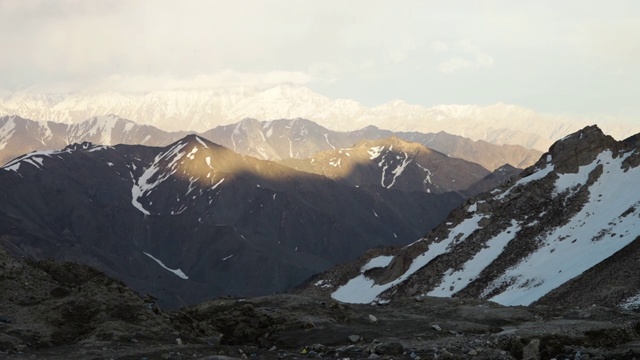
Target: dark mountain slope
(194, 220)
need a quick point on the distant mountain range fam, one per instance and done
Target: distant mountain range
(269, 140)
(194, 220)
(201, 110)
(566, 232)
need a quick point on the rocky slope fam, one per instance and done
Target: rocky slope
(48, 304)
(393, 164)
(268, 140)
(193, 219)
(498, 177)
(561, 234)
(200, 110)
(59, 311)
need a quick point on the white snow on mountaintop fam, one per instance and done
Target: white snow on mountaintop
(201, 110)
(35, 158)
(144, 185)
(374, 152)
(177, 272)
(176, 163)
(608, 222)
(102, 125)
(6, 130)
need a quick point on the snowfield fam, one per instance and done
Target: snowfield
(608, 222)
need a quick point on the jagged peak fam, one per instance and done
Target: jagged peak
(194, 139)
(505, 167)
(85, 145)
(369, 128)
(109, 118)
(398, 144)
(579, 148)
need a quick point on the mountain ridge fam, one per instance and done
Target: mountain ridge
(530, 241)
(271, 140)
(393, 163)
(200, 110)
(193, 220)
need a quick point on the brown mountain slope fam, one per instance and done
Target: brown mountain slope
(393, 164)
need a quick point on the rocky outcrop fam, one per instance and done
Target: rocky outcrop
(501, 175)
(581, 148)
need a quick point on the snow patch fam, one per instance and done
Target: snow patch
(454, 281)
(216, 185)
(177, 272)
(6, 131)
(143, 186)
(362, 290)
(375, 152)
(377, 262)
(191, 155)
(473, 208)
(572, 248)
(202, 142)
(326, 137)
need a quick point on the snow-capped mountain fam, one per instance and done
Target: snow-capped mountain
(393, 163)
(194, 220)
(268, 140)
(301, 139)
(566, 232)
(19, 136)
(200, 110)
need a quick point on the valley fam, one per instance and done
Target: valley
(298, 180)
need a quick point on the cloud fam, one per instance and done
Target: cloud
(465, 56)
(400, 53)
(439, 47)
(147, 83)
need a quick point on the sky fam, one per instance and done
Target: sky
(563, 57)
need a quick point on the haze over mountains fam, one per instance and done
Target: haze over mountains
(201, 110)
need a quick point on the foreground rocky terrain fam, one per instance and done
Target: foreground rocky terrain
(51, 310)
